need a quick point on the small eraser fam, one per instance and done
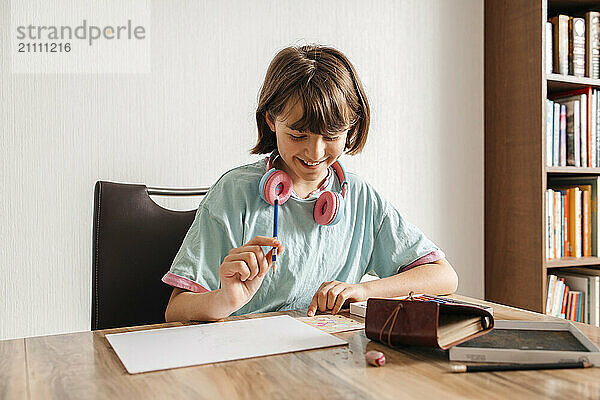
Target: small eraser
(375, 358)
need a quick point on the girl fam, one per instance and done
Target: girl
(336, 228)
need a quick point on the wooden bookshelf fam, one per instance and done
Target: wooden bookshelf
(572, 171)
(516, 175)
(572, 262)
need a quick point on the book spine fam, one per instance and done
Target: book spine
(576, 46)
(561, 239)
(573, 306)
(571, 220)
(554, 297)
(563, 308)
(578, 223)
(558, 291)
(597, 148)
(566, 224)
(595, 300)
(577, 132)
(556, 135)
(560, 44)
(584, 307)
(549, 295)
(563, 136)
(592, 130)
(549, 60)
(577, 305)
(557, 224)
(586, 223)
(549, 133)
(549, 225)
(592, 44)
(585, 132)
(570, 143)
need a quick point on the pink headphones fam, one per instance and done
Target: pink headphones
(329, 207)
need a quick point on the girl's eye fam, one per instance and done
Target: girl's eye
(331, 138)
(294, 137)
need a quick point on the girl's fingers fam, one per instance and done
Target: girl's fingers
(251, 259)
(312, 308)
(265, 241)
(322, 295)
(341, 299)
(333, 294)
(254, 246)
(231, 268)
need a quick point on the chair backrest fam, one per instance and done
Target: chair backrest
(135, 241)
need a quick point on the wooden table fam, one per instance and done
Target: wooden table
(83, 365)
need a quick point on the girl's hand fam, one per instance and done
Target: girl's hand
(244, 269)
(333, 295)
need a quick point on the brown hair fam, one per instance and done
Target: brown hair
(324, 81)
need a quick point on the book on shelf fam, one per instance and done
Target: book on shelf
(560, 44)
(556, 134)
(549, 60)
(576, 46)
(573, 45)
(574, 294)
(590, 184)
(592, 129)
(584, 95)
(593, 276)
(551, 154)
(568, 222)
(581, 143)
(592, 44)
(563, 136)
(564, 301)
(578, 139)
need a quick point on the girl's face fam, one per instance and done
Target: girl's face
(306, 156)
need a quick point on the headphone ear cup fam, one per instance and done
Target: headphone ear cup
(261, 184)
(340, 211)
(275, 184)
(327, 208)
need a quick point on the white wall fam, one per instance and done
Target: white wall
(192, 118)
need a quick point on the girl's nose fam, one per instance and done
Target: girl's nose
(316, 148)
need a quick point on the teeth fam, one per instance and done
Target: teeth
(309, 163)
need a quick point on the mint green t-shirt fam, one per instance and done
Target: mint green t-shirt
(371, 237)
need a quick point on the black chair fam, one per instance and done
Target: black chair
(134, 243)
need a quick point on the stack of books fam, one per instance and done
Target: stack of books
(575, 45)
(572, 217)
(572, 126)
(574, 294)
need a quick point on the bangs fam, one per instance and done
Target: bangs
(325, 109)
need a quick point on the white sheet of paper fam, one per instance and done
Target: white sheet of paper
(183, 346)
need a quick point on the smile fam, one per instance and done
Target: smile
(310, 164)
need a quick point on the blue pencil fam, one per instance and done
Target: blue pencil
(275, 219)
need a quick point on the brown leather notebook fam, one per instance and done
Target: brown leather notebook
(424, 323)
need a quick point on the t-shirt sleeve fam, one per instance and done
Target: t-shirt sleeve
(399, 245)
(196, 265)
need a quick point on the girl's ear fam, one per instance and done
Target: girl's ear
(269, 121)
